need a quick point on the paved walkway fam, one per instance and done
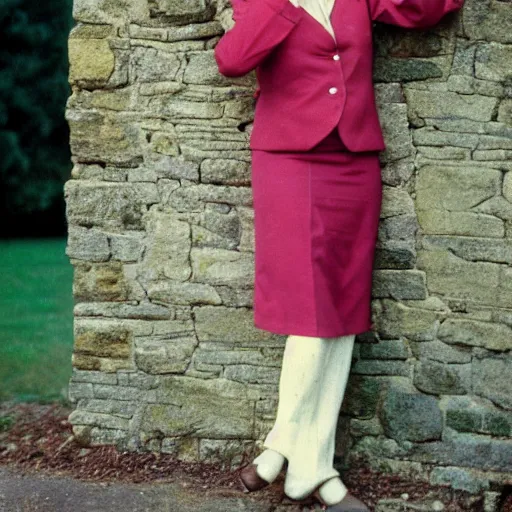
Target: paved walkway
(32, 492)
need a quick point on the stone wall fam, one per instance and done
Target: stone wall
(166, 357)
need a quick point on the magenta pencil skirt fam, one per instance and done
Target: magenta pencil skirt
(316, 217)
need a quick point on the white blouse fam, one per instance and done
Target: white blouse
(320, 10)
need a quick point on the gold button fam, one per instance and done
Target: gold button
(333, 90)
(336, 57)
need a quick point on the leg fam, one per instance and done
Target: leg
(312, 384)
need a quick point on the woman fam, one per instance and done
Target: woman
(317, 197)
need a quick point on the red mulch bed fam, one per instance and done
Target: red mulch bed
(39, 437)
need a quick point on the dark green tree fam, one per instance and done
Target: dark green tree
(34, 136)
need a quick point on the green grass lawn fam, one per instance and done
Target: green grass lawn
(36, 319)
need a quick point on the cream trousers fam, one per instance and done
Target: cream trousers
(312, 384)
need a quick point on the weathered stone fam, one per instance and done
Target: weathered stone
(152, 65)
(171, 292)
(397, 320)
(463, 58)
(457, 278)
(429, 136)
(82, 417)
(111, 205)
(217, 409)
(162, 355)
(218, 323)
(167, 256)
(87, 244)
(180, 109)
(492, 62)
(378, 367)
(235, 297)
(125, 248)
(389, 93)
(399, 284)
(447, 153)
(103, 343)
(466, 450)
(479, 334)
(408, 416)
(252, 374)
(507, 187)
(441, 104)
(102, 282)
(488, 20)
(505, 112)
(406, 70)
(222, 267)
(91, 61)
(144, 311)
(175, 10)
(78, 391)
(121, 408)
(202, 69)
(385, 349)
(193, 198)
(229, 357)
(183, 448)
(202, 237)
(361, 396)
(469, 85)
(223, 451)
(473, 249)
(106, 11)
(459, 478)
(225, 172)
(399, 227)
(439, 351)
(394, 123)
(93, 377)
(441, 378)
(396, 201)
(116, 100)
(195, 31)
(492, 378)
(371, 427)
(475, 414)
(440, 222)
(455, 188)
(222, 221)
(102, 364)
(397, 173)
(100, 137)
(394, 254)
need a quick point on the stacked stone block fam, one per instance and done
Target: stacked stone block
(159, 206)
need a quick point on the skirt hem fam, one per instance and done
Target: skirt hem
(304, 331)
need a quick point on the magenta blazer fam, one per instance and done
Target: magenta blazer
(308, 81)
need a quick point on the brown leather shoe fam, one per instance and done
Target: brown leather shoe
(348, 504)
(250, 479)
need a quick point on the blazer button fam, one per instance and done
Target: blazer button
(336, 57)
(333, 90)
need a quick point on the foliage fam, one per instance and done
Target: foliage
(34, 136)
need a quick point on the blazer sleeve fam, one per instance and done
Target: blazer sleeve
(260, 25)
(412, 13)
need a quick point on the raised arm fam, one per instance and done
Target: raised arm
(412, 13)
(260, 25)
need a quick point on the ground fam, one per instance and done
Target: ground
(44, 469)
